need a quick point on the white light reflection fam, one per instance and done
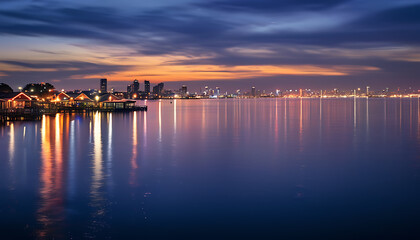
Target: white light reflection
(218, 117)
(285, 120)
(276, 123)
(301, 125)
(12, 146)
(385, 114)
(418, 119)
(320, 117)
(109, 162)
(160, 121)
(96, 194)
(367, 116)
(97, 156)
(72, 160)
(134, 165)
(174, 115)
(145, 128)
(355, 110)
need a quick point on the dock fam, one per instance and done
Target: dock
(36, 113)
(75, 109)
(21, 114)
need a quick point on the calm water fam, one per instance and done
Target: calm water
(216, 169)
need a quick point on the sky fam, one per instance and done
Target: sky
(232, 44)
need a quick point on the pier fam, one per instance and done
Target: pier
(76, 109)
(36, 113)
(21, 114)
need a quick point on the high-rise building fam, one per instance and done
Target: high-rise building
(136, 86)
(253, 92)
(217, 91)
(158, 89)
(146, 86)
(103, 85)
(184, 90)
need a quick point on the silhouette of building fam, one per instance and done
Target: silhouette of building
(158, 89)
(253, 92)
(133, 89)
(218, 91)
(147, 86)
(103, 85)
(184, 90)
(136, 86)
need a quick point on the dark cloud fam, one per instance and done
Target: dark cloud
(66, 71)
(398, 18)
(171, 30)
(270, 6)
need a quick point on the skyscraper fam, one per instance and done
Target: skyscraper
(158, 89)
(184, 90)
(253, 93)
(103, 85)
(136, 86)
(146, 86)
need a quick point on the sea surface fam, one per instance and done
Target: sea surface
(216, 169)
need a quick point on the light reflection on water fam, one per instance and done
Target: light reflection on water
(256, 167)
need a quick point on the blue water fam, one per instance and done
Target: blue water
(216, 169)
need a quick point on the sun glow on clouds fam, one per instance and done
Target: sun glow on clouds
(215, 72)
(170, 67)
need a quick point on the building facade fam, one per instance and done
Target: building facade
(104, 85)
(146, 86)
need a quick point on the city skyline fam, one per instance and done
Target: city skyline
(227, 43)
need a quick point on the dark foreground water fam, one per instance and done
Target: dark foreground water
(216, 169)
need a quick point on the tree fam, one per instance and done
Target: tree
(39, 89)
(4, 88)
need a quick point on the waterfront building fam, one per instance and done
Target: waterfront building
(106, 97)
(81, 99)
(121, 104)
(3, 104)
(62, 98)
(110, 101)
(73, 99)
(15, 100)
